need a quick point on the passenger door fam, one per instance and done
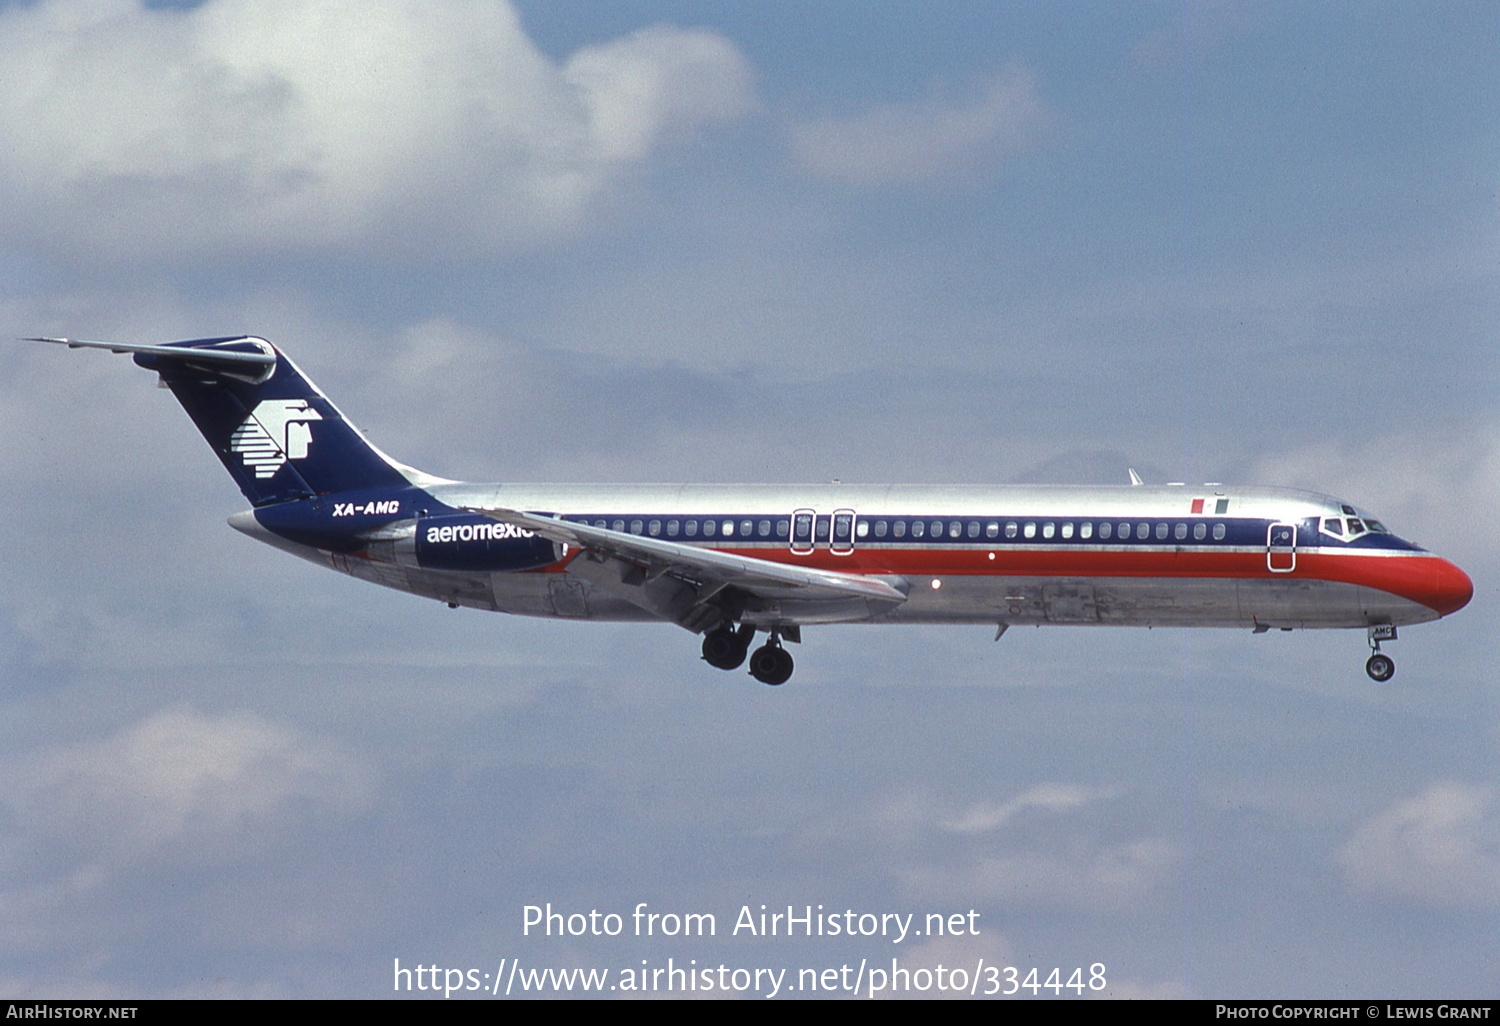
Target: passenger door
(1281, 548)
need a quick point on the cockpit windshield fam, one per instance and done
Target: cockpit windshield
(1350, 528)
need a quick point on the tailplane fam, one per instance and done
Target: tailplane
(275, 432)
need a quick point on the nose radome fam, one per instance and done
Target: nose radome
(1451, 588)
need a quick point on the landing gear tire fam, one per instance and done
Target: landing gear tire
(771, 664)
(724, 647)
(1381, 668)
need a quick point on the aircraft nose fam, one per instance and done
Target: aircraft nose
(1448, 590)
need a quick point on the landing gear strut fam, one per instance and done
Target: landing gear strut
(1381, 668)
(771, 664)
(724, 647)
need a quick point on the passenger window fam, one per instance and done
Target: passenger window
(820, 532)
(899, 529)
(1030, 530)
(763, 529)
(879, 528)
(619, 525)
(1218, 532)
(862, 529)
(598, 523)
(635, 527)
(973, 529)
(1180, 532)
(955, 529)
(708, 528)
(1086, 530)
(691, 530)
(1143, 530)
(1161, 531)
(1105, 530)
(782, 526)
(918, 528)
(1010, 529)
(992, 529)
(1200, 531)
(1067, 530)
(672, 526)
(1048, 529)
(654, 528)
(746, 527)
(937, 528)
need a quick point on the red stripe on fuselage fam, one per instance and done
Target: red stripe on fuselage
(1415, 576)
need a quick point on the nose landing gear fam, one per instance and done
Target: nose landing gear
(1381, 668)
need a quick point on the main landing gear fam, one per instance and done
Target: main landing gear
(726, 646)
(1381, 668)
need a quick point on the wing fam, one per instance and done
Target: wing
(699, 588)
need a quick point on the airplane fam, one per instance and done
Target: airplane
(728, 561)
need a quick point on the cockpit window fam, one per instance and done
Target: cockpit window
(1376, 527)
(1334, 526)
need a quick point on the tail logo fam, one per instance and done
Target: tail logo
(276, 431)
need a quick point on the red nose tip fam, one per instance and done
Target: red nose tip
(1450, 589)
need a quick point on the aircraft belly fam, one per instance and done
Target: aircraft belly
(1144, 602)
(1289, 601)
(473, 590)
(1382, 607)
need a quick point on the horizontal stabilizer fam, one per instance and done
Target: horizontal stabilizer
(249, 352)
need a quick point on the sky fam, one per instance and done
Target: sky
(671, 241)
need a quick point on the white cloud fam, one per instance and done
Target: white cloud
(1441, 847)
(1055, 844)
(1417, 484)
(310, 124)
(185, 783)
(1051, 797)
(935, 138)
(1087, 873)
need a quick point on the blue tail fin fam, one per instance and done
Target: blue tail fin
(277, 435)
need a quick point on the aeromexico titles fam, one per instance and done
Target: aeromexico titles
(731, 561)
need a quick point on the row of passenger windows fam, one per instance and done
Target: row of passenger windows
(1066, 529)
(691, 528)
(972, 530)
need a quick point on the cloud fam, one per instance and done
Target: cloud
(183, 784)
(932, 139)
(1414, 482)
(1441, 847)
(1050, 797)
(329, 124)
(1055, 844)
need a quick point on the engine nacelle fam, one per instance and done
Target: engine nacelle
(464, 542)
